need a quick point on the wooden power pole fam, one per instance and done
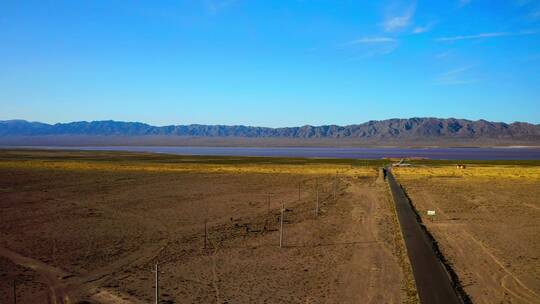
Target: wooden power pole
(14, 291)
(205, 233)
(334, 188)
(281, 226)
(157, 282)
(267, 217)
(317, 203)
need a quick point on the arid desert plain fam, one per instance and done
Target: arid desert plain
(90, 227)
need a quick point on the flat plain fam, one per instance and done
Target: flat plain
(89, 227)
(487, 225)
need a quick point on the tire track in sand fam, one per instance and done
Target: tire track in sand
(51, 275)
(508, 281)
(526, 294)
(215, 276)
(60, 290)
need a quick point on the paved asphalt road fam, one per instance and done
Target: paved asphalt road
(432, 281)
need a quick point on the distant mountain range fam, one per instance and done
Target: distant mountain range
(412, 129)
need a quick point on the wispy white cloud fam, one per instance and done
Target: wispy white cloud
(486, 35)
(422, 29)
(398, 18)
(372, 46)
(444, 54)
(456, 71)
(455, 77)
(370, 40)
(456, 82)
(398, 22)
(476, 36)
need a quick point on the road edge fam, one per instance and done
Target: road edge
(454, 278)
(454, 283)
(409, 286)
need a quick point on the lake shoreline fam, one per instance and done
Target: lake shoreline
(439, 153)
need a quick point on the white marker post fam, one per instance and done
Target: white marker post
(431, 214)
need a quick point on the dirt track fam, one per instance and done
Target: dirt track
(51, 276)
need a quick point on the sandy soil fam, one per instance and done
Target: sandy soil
(94, 235)
(488, 228)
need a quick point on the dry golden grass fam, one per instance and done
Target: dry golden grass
(106, 219)
(486, 226)
(471, 171)
(189, 167)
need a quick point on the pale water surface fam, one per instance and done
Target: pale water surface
(328, 152)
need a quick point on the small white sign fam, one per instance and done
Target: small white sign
(431, 212)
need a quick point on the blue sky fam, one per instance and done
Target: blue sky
(269, 63)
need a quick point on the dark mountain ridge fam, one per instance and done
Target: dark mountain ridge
(399, 129)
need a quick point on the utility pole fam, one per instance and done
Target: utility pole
(281, 226)
(14, 291)
(205, 233)
(268, 204)
(317, 204)
(268, 214)
(206, 226)
(334, 188)
(157, 282)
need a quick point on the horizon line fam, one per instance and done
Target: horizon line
(259, 126)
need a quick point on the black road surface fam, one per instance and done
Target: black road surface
(432, 281)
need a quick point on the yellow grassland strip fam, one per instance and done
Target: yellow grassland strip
(203, 168)
(501, 171)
